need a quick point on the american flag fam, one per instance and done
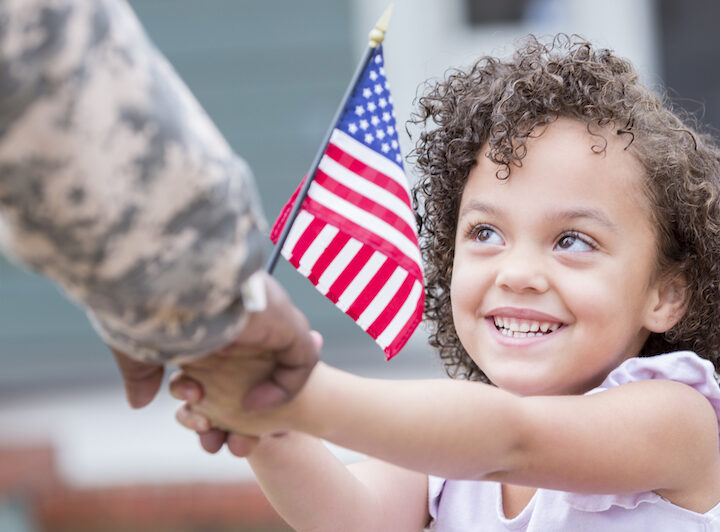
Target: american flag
(355, 237)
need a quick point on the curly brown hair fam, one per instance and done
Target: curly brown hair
(499, 104)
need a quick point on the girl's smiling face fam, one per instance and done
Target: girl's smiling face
(554, 277)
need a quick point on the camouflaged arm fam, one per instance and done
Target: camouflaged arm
(116, 185)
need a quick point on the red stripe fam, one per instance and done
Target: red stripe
(363, 235)
(367, 172)
(284, 213)
(308, 237)
(392, 308)
(349, 273)
(371, 289)
(406, 332)
(327, 256)
(363, 202)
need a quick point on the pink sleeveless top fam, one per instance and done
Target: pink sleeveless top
(466, 506)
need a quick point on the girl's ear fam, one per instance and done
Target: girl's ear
(668, 304)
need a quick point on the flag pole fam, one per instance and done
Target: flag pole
(376, 36)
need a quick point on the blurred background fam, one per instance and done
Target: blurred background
(73, 456)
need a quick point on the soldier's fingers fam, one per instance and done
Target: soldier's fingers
(241, 445)
(142, 379)
(294, 365)
(317, 340)
(267, 394)
(212, 440)
(185, 388)
(292, 369)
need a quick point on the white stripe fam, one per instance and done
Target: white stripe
(364, 219)
(298, 228)
(368, 189)
(401, 318)
(360, 281)
(383, 297)
(371, 158)
(338, 265)
(313, 252)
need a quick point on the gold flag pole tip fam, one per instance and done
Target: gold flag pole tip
(377, 34)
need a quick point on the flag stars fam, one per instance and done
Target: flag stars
(371, 114)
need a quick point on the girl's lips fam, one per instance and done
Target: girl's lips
(523, 314)
(512, 326)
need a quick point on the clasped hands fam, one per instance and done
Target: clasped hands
(231, 397)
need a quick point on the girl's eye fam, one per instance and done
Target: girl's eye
(486, 235)
(574, 242)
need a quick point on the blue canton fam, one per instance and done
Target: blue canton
(369, 116)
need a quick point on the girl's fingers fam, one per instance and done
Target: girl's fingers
(241, 445)
(191, 420)
(185, 388)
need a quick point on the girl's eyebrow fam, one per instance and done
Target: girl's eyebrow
(476, 205)
(569, 214)
(587, 213)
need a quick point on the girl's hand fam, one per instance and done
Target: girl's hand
(211, 439)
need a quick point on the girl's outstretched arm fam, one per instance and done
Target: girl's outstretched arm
(650, 435)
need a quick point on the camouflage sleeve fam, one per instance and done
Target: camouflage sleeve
(116, 185)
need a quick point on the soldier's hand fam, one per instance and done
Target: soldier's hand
(278, 339)
(142, 379)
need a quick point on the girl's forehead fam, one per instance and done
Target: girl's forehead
(563, 165)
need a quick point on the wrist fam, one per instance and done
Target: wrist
(271, 443)
(304, 412)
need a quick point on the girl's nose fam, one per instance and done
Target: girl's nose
(521, 272)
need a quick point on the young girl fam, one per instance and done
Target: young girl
(572, 240)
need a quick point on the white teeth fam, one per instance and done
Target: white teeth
(522, 328)
(518, 334)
